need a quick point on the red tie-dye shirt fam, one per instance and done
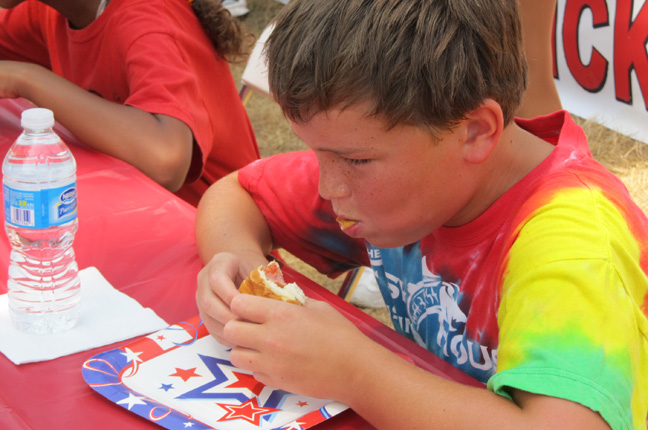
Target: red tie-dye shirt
(544, 292)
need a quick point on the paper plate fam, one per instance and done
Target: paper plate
(181, 378)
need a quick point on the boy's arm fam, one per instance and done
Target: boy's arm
(407, 397)
(232, 238)
(228, 220)
(158, 145)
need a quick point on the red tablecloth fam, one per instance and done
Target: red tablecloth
(141, 238)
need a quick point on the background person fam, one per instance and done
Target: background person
(140, 80)
(541, 96)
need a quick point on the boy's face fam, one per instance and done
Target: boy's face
(398, 184)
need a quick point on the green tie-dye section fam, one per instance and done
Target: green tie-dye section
(570, 317)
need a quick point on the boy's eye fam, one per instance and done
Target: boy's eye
(357, 161)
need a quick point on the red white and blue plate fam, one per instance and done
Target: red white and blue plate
(181, 378)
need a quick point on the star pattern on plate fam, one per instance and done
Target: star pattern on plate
(295, 425)
(185, 374)
(131, 401)
(245, 380)
(205, 391)
(132, 356)
(166, 387)
(249, 411)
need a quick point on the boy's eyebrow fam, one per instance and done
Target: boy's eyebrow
(344, 151)
(338, 151)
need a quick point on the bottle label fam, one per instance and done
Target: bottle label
(40, 209)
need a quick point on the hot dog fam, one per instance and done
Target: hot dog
(345, 223)
(268, 281)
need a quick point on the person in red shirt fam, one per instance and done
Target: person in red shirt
(146, 81)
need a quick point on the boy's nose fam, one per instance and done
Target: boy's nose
(332, 184)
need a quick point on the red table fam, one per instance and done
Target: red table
(141, 238)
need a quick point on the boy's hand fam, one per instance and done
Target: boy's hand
(310, 349)
(217, 283)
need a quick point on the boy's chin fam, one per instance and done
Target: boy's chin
(387, 242)
(394, 238)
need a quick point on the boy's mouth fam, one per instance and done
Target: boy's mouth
(346, 223)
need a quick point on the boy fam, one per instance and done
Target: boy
(500, 245)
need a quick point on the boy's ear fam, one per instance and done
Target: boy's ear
(483, 128)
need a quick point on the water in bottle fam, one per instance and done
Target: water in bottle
(40, 204)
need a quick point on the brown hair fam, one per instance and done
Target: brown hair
(225, 31)
(421, 62)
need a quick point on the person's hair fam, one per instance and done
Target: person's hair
(225, 31)
(426, 63)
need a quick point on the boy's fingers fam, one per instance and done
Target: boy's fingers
(213, 306)
(255, 309)
(215, 328)
(244, 358)
(244, 335)
(224, 342)
(220, 284)
(259, 320)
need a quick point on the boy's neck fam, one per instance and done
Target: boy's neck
(518, 152)
(528, 150)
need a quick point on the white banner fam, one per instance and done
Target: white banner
(601, 62)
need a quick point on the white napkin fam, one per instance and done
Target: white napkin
(107, 316)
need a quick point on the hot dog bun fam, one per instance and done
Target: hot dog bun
(267, 281)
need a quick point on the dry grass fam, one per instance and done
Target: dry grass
(625, 157)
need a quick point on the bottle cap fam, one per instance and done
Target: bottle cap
(37, 119)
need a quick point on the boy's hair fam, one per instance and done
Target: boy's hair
(225, 31)
(426, 63)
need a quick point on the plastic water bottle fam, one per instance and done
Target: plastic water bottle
(40, 204)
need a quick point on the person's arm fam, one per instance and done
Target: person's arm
(233, 239)
(228, 220)
(432, 402)
(158, 145)
(541, 96)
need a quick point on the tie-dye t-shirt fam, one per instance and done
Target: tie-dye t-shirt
(544, 292)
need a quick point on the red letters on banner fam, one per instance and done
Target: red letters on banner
(630, 37)
(630, 50)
